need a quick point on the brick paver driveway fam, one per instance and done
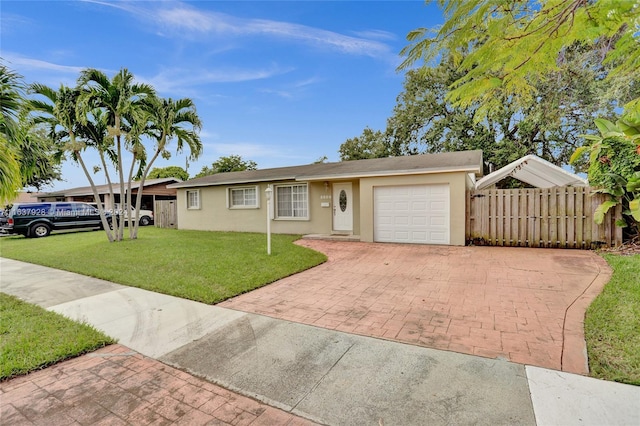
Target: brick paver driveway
(525, 305)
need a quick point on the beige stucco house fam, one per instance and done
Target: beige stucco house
(412, 199)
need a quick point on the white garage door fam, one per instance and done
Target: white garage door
(411, 214)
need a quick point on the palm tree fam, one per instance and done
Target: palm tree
(10, 104)
(95, 132)
(57, 111)
(169, 120)
(122, 103)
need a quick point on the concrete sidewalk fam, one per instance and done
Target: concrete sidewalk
(326, 376)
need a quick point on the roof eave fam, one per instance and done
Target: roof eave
(312, 178)
(469, 169)
(229, 182)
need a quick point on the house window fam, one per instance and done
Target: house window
(193, 199)
(243, 198)
(292, 201)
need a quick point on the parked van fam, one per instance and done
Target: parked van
(37, 220)
(146, 216)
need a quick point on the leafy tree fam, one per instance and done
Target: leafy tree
(39, 161)
(513, 45)
(27, 156)
(614, 167)
(9, 171)
(371, 144)
(10, 104)
(232, 163)
(167, 172)
(424, 120)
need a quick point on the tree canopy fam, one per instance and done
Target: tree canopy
(513, 46)
(27, 155)
(232, 163)
(512, 52)
(371, 144)
(168, 172)
(425, 121)
(115, 116)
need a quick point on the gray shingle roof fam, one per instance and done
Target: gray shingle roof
(104, 189)
(468, 161)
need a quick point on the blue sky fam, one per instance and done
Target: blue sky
(278, 82)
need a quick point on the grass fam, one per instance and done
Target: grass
(207, 267)
(32, 338)
(612, 324)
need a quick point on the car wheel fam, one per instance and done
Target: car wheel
(40, 230)
(145, 220)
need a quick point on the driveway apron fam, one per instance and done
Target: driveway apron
(520, 304)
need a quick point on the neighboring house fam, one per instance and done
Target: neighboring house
(25, 197)
(154, 189)
(411, 199)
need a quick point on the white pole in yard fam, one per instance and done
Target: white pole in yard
(269, 193)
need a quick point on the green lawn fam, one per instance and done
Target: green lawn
(205, 266)
(32, 338)
(612, 324)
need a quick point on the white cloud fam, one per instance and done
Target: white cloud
(37, 64)
(44, 72)
(186, 21)
(281, 93)
(181, 80)
(376, 34)
(308, 82)
(184, 18)
(175, 80)
(10, 23)
(292, 90)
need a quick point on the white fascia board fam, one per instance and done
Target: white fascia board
(386, 173)
(231, 182)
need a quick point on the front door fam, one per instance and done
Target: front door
(342, 207)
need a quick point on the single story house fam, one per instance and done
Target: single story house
(410, 199)
(154, 189)
(24, 197)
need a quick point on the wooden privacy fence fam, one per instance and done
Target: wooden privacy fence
(555, 217)
(166, 214)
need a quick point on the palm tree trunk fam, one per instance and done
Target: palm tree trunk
(139, 197)
(103, 219)
(120, 236)
(131, 216)
(109, 183)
